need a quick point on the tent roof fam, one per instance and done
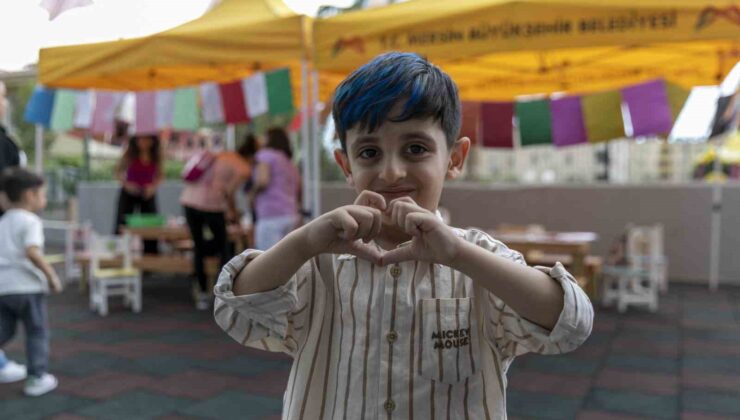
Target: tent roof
(230, 41)
(498, 49)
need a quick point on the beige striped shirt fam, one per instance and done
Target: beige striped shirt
(409, 341)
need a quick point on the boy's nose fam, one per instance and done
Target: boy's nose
(392, 171)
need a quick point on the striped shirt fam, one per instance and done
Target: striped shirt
(408, 341)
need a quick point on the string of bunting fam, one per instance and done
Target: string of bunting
(183, 109)
(568, 120)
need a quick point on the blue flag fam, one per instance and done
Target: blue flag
(39, 107)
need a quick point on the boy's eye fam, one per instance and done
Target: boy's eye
(417, 149)
(367, 153)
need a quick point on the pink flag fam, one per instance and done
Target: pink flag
(146, 118)
(57, 7)
(105, 108)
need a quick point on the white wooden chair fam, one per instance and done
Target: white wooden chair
(76, 241)
(638, 280)
(106, 282)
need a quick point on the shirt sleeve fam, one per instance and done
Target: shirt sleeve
(274, 320)
(33, 233)
(514, 335)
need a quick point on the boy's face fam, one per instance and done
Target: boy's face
(35, 198)
(408, 158)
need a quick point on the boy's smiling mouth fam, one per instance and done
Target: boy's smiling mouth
(393, 193)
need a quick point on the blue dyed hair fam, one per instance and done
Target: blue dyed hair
(367, 96)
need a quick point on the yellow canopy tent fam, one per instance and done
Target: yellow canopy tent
(498, 49)
(230, 41)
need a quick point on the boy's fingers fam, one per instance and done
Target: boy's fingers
(371, 199)
(377, 224)
(404, 253)
(415, 223)
(364, 251)
(364, 219)
(348, 226)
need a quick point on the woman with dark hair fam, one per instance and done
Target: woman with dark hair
(140, 172)
(210, 202)
(278, 188)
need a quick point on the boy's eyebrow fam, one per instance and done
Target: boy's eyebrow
(417, 135)
(364, 140)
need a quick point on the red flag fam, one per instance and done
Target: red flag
(470, 126)
(232, 98)
(496, 124)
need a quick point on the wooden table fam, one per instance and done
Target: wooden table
(239, 235)
(573, 245)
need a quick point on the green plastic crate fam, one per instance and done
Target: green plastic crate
(145, 220)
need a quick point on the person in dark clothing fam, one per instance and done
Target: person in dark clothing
(9, 152)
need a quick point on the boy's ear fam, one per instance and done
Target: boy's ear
(343, 161)
(458, 154)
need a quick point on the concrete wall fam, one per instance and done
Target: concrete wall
(684, 210)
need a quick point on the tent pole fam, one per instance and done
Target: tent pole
(86, 156)
(305, 133)
(316, 145)
(39, 149)
(230, 137)
(716, 232)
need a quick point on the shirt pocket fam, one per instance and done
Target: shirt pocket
(448, 350)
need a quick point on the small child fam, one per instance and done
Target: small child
(386, 310)
(25, 279)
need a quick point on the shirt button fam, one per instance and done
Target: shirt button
(389, 405)
(395, 271)
(391, 336)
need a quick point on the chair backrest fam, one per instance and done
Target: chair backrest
(644, 245)
(110, 247)
(76, 239)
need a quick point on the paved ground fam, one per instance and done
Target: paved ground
(173, 362)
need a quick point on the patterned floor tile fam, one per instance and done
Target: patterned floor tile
(535, 382)
(196, 384)
(713, 402)
(633, 403)
(712, 364)
(235, 405)
(643, 363)
(134, 405)
(40, 407)
(606, 415)
(541, 406)
(656, 384)
(716, 381)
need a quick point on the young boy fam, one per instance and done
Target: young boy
(387, 311)
(25, 278)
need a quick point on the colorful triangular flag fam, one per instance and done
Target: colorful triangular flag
(648, 107)
(62, 115)
(106, 104)
(602, 115)
(497, 127)
(534, 122)
(232, 99)
(212, 108)
(146, 121)
(567, 121)
(84, 109)
(165, 102)
(279, 92)
(39, 107)
(255, 92)
(185, 114)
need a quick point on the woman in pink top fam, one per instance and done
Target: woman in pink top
(278, 190)
(209, 201)
(140, 173)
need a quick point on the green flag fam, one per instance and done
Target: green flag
(602, 115)
(677, 96)
(63, 113)
(279, 92)
(534, 122)
(185, 111)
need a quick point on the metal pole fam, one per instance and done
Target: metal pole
(716, 232)
(86, 156)
(230, 137)
(39, 149)
(316, 145)
(305, 142)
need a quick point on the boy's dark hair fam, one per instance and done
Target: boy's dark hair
(16, 181)
(367, 96)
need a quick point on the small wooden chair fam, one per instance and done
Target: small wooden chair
(106, 282)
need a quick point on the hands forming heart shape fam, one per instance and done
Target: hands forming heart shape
(349, 229)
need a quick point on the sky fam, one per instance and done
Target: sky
(26, 27)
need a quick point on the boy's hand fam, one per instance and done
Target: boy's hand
(348, 229)
(55, 284)
(432, 241)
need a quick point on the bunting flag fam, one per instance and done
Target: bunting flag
(212, 108)
(232, 99)
(39, 107)
(496, 124)
(106, 104)
(164, 105)
(602, 115)
(470, 124)
(145, 121)
(677, 97)
(84, 109)
(649, 109)
(279, 92)
(695, 120)
(534, 122)
(725, 118)
(185, 113)
(63, 112)
(255, 92)
(567, 121)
